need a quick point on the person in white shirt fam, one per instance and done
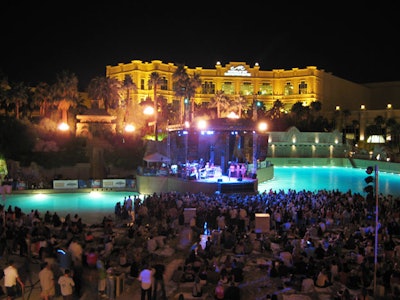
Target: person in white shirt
(76, 251)
(66, 285)
(46, 277)
(11, 277)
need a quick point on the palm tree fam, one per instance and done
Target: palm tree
(41, 96)
(345, 113)
(65, 93)
(193, 84)
(300, 111)
(185, 89)
(155, 81)
(276, 110)
(316, 106)
(180, 76)
(4, 87)
(219, 101)
(238, 104)
(393, 145)
(129, 86)
(18, 96)
(105, 91)
(379, 121)
(355, 124)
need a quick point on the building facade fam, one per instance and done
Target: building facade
(344, 101)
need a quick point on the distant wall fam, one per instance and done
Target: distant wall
(161, 184)
(335, 162)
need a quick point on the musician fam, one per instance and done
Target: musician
(243, 171)
(231, 170)
(194, 174)
(204, 171)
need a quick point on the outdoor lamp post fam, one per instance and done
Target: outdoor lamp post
(63, 126)
(260, 127)
(129, 128)
(149, 111)
(155, 120)
(376, 227)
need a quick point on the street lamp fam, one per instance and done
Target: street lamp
(155, 119)
(129, 128)
(149, 111)
(260, 127)
(376, 227)
(63, 126)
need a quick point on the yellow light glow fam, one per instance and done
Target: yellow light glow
(262, 126)
(129, 128)
(202, 124)
(63, 127)
(233, 115)
(148, 110)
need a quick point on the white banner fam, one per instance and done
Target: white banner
(114, 183)
(65, 184)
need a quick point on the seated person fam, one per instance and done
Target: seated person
(322, 280)
(237, 274)
(189, 273)
(197, 290)
(89, 237)
(219, 292)
(353, 281)
(178, 275)
(307, 285)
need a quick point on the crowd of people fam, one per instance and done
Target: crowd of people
(325, 236)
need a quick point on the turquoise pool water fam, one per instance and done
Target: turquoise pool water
(93, 206)
(330, 178)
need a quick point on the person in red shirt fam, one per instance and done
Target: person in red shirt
(91, 258)
(219, 292)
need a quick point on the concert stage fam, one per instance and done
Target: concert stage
(148, 185)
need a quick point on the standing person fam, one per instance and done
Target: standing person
(11, 277)
(110, 284)
(46, 277)
(76, 250)
(159, 270)
(102, 275)
(67, 285)
(145, 277)
(129, 204)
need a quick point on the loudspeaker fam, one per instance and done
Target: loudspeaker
(239, 179)
(262, 223)
(219, 180)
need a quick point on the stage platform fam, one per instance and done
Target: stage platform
(223, 184)
(148, 185)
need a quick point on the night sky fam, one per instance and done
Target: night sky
(352, 41)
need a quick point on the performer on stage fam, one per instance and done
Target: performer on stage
(243, 171)
(231, 171)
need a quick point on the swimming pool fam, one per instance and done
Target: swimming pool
(90, 206)
(93, 206)
(329, 178)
